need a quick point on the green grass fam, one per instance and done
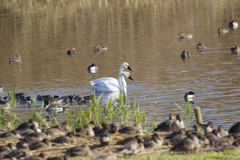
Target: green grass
(200, 156)
(226, 155)
(78, 117)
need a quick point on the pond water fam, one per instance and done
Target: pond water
(143, 33)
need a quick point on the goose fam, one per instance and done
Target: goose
(110, 84)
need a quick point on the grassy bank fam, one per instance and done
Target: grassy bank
(209, 155)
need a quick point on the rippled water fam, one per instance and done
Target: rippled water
(142, 33)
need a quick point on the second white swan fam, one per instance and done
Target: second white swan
(110, 84)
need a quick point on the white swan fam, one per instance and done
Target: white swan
(110, 84)
(126, 66)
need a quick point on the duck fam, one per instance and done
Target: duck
(235, 49)
(110, 128)
(56, 131)
(185, 55)
(104, 155)
(212, 136)
(190, 143)
(92, 68)
(2, 100)
(189, 97)
(66, 127)
(1, 88)
(227, 140)
(178, 124)
(54, 100)
(174, 134)
(15, 59)
(69, 138)
(198, 130)
(235, 128)
(27, 125)
(72, 52)
(135, 129)
(100, 48)
(154, 142)
(131, 148)
(84, 100)
(130, 139)
(66, 157)
(33, 129)
(40, 144)
(55, 107)
(27, 100)
(29, 139)
(233, 23)
(223, 30)
(235, 146)
(207, 127)
(5, 106)
(17, 95)
(71, 97)
(201, 46)
(41, 156)
(105, 139)
(166, 126)
(12, 134)
(43, 97)
(19, 153)
(8, 147)
(221, 131)
(88, 130)
(42, 134)
(180, 136)
(186, 36)
(110, 84)
(84, 150)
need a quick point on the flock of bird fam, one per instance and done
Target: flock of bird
(30, 137)
(131, 139)
(233, 24)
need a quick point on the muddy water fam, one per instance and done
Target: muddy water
(142, 33)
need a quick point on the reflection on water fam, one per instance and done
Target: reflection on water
(107, 96)
(143, 33)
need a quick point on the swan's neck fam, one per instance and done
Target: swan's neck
(121, 69)
(122, 83)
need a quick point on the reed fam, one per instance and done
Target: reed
(187, 114)
(78, 117)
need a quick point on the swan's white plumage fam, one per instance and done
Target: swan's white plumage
(109, 84)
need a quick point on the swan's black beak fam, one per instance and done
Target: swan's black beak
(129, 68)
(130, 78)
